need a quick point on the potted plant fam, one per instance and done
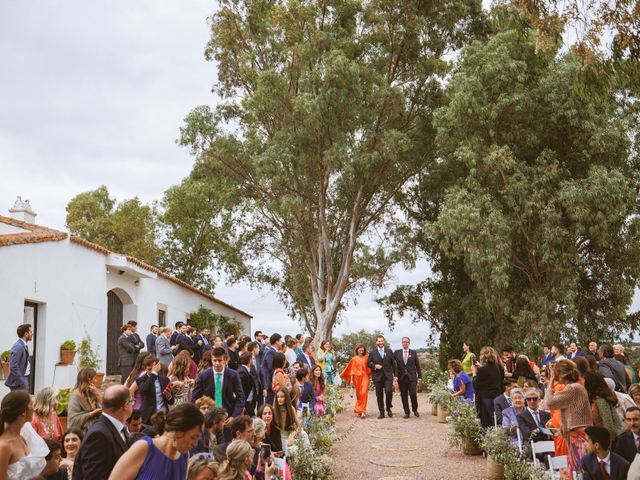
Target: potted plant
(5, 363)
(467, 432)
(63, 403)
(441, 398)
(90, 359)
(67, 352)
(499, 451)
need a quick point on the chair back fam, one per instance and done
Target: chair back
(555, 464)
(541, 447)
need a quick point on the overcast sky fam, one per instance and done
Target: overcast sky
(93, 93)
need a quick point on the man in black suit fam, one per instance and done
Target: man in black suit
(153, 390)
(127, 352)
(204, 339)
(223, 385)
(266, 370)
(184, 341)
(409, 374)
(151, 340)
(254, 349)
(628, 443)
(135, 338)
(502, 402)
(532, 419)
(601, 463)
(384, 368)
(249, 383)
(176, 333)
(107, 439)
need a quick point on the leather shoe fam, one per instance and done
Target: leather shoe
(381, 415)
(389, 414)
(416, 414)
(406, 415)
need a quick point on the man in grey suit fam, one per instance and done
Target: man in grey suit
(127, 352)
(611, 368)
(164, 349)
(19, 367)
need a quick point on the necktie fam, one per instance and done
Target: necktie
(509, 402)
(638, 443)
(26, 347)
(125, 435)
(406, 356)
(536, 417)
(603, 471)
(219, 389)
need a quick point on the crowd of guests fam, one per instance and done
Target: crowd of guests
(587, 403)
(190, 406)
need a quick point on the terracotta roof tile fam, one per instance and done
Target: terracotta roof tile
(34, 234)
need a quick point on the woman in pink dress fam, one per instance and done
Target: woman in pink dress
(45, 420)
(319, 385)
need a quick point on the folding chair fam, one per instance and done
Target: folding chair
(495, 419)
(519, 440)
(541, 447)
(555, 464)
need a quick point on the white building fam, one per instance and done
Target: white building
(69, 288)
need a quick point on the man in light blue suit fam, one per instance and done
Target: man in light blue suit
(19, 367)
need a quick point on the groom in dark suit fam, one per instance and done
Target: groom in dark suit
(223, 385)
(19, 367)
(409, 374)
(384, 368)
(107, 439)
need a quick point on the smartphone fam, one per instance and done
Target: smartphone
(266, 452)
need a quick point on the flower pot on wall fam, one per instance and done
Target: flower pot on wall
(67, 357)
(5, 370)
(99, 378)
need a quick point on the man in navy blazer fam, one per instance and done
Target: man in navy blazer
(306, 357)
(151, 340)
(601, 458)
(409, 374)
(383, 364)
(266, 367)
(231, 398)
(528, 425)
(19, 367)
(107, 439)
(502, 402)
(627, 444)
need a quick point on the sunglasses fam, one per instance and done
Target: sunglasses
(532, 399)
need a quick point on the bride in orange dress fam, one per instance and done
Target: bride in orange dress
(358, 374)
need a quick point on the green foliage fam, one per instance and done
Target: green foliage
(228, 325)
(63, 401)
(439, 395)
(433, 376)
(309, 463)
(464, 422)
(345, 347)
(128, 227)
(333, 400)
(499, 447)
(5, 355)
(219, 323)
(529, 219)
(68, 345)
(324, 116)
(88, 357)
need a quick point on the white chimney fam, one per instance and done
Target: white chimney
(22, 211)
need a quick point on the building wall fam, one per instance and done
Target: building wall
(69, 283)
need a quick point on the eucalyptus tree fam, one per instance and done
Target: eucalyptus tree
(325, 113)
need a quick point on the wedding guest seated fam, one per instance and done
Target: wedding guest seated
(524, 372)
(634, 393)
(462, 383)
(212, 435)
(509, 417)
(239, 459)
(53, 470)
(600, 462)
(626, 445)
(204, 403)
(533, 419)
(202, 467)
(502, 402)
(134, 422)
(71, 441)
(624, 401)
(84, 402)
(272, 432)
(241, 429)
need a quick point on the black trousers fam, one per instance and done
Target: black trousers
(408, 388)
(384, 387)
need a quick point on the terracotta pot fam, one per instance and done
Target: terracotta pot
(5, 370)
(97, 381)
(495, 471)
(470, 447)
(443, 413)
(63, 422)
(434, 409)
(67, 356)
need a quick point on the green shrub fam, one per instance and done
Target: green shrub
(5, 355)
(333, 400)
(63, 402)
(499, 447)
(68, 345)
(308, 464)
(465, 423)
(88, 358)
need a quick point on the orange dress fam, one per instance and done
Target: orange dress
(361, 374)
(560, 441)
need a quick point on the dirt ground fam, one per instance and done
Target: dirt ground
(397, 448)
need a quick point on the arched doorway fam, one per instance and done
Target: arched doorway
(116, 300)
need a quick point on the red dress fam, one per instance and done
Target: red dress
(357, 368)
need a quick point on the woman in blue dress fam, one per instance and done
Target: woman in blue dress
(462, 383)
(325, 358)
(166, 456)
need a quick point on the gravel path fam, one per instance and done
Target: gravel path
(420, 447)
